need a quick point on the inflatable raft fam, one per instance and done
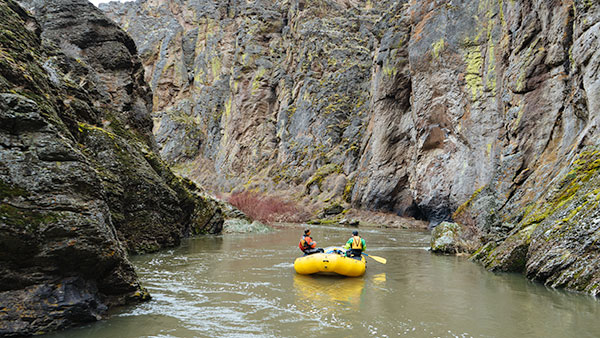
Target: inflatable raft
(332, 261)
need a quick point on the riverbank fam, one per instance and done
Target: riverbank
(386, 220)
(273, 209)
(371, 219)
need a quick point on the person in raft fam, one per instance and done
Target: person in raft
(307, 245)
(356, 245)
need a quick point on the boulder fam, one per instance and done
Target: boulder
(448, 238)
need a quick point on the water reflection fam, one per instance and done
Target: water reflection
(328, 291)
(379, 279)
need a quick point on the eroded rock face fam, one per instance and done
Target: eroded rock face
(269, 95)
(150, 207)
(472, 111)
(530, 88)
(79, 182)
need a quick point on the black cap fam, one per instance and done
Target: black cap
(306, 231)
(355, 233)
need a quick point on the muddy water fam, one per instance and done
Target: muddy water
(245, 286)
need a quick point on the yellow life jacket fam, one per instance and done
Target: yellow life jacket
(356, 242)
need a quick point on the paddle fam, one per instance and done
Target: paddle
(377, 258)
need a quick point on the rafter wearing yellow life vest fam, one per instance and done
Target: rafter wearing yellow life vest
(355, 245)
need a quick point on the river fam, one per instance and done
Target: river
(244, 285)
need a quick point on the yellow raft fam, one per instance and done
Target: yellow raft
(330, 263)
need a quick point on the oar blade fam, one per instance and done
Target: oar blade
(379, 259)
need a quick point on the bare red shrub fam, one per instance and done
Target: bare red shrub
(266, 209)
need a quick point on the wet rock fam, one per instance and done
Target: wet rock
(332, 210)
(553, 242)
(448, 238)
(244, 226)
(48, 307)
(349, 222)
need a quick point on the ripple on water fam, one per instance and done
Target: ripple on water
(407, 247)
(227, 309)
(285, 265)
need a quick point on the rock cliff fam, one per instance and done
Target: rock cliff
(485, 112)
(80, 184)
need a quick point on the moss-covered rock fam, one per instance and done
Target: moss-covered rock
(449, 238)
(556, 236)
(80, 183)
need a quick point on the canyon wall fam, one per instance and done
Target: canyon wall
(484, 112)
(80, 182)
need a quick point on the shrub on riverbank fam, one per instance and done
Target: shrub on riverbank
(267, 209)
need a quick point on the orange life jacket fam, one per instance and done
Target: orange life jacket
(356, 242)
(306, 243)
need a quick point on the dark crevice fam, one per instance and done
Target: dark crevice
(413, 211)
(510, 195)
(568, 41)
(557, 124)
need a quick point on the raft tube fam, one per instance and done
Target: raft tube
(333, 261)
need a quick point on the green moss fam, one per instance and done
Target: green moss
(84, 127)
(484, 251)
(569, 191)
(528, 59)
(28, 220)
(317, 177)
(9, 191)
(491, 69)
(473, 77)
(323, 221)
(465, 205)
(347, 196)
(501, 11)
(118, 128)
(389, 69)
(141, 295)
(228, 107)
(215, 64)
(256, 81)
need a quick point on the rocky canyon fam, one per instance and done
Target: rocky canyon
(116, 122)
(480, 112)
